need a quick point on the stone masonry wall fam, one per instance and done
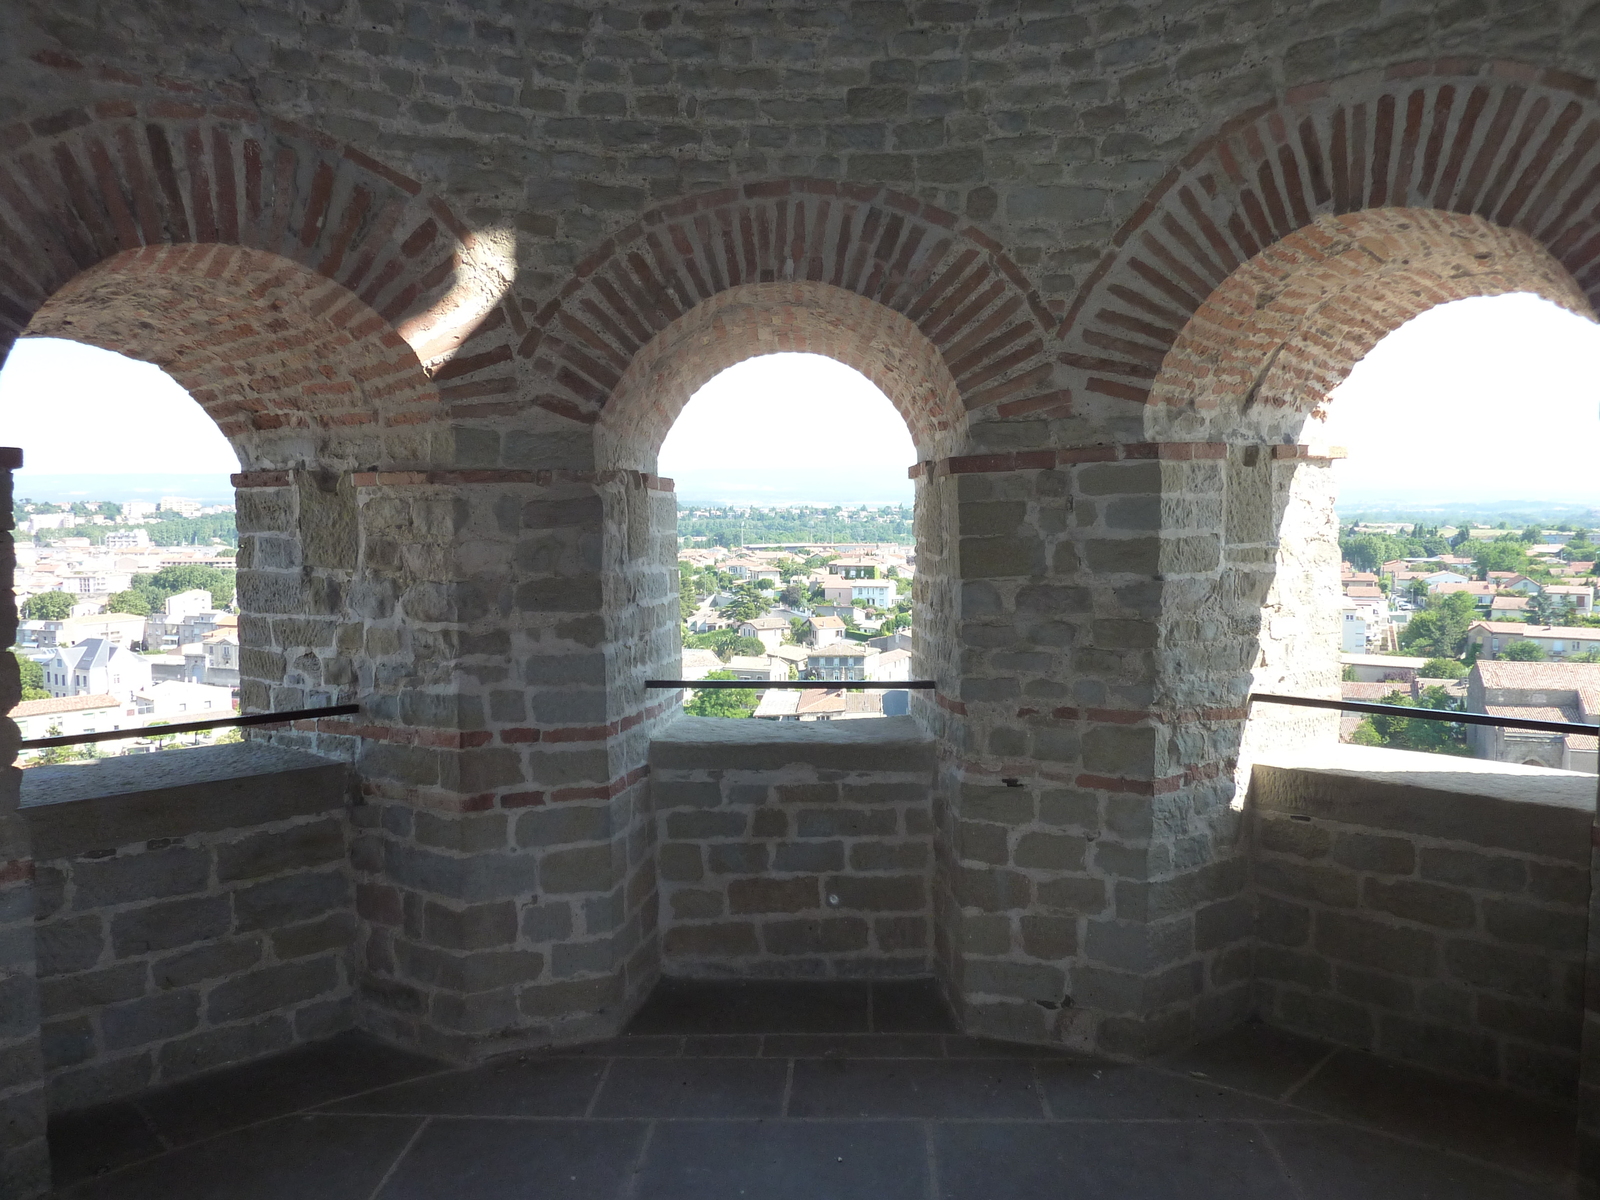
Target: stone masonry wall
(794, 850)
(1442, 921)
(193, 909)
(24, 1156)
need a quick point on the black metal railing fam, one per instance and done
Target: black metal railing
(1426, 714)
(827, 685)
(158, 731)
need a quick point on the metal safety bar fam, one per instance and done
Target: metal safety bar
(823, 685)
(112, 735)
(1427, 714)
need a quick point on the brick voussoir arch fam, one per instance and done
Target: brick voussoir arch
(1510, 144)
(952, 282)
(82, 185)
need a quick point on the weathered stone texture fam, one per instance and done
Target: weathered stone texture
(1402, 919)
(162, 952)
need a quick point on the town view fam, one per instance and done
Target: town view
(1453, 600)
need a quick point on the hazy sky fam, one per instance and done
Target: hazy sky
(1480, 399)
(80, 410)
(1492, 398)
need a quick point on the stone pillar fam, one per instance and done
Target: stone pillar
(24, 1156)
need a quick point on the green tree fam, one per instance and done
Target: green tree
(1440, 629)
(1524, 651)
(184, 577)
(725, 643)
(48, 606)
(1504, 554)
(130, 601)
(1443, 668)
(32, 678)
(1409, 733)
(721, 702)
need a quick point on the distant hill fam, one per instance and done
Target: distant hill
(58, 489)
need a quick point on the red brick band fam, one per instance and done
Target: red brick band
(1045, 460)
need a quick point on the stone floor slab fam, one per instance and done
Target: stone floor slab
(785, 1160)
(518, 1160)
(1335, 1161)
(1122, 1091)
(693, 1087)
(307, 1158)
(91, 1141)
(1107, 1161)
(512, 1086)
(909, 1087)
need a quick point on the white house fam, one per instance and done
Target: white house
(890, 665)
(95, 668)
(164, 629)
(769, 631)
(70, 716)
(843, 660)
(824, 631)
(757, 668)
(179, 702)
(878, 593)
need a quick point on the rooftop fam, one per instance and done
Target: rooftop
(64, 704)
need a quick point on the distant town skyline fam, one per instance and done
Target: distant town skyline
(1484, 399)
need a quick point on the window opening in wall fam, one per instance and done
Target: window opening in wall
(1469, 517)
(126, 543)
(796, 544)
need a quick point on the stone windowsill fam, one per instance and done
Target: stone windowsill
(864, 744)
(72, 809)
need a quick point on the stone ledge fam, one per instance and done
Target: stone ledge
(1505, 806)
(74, 809)
(869, 744)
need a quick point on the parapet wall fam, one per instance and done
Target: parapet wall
(193, 908)
(794, 850)
(1425, 908)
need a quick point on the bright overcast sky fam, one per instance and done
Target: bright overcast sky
(80, 410)
(1481, 399)
(1485, 399)
(799, 409)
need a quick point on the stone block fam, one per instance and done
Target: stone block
(152, 875)
(70, 945)
(894, 934)
(215, 961)
(563, 824)
(65, 1043)
(978, 841)
(336, 931)
(736, 858)
(1081, 894)
(1537, 1023)
(723, 940)
(691, 826)
(1325, 1017)
(1371, 942)
(100, 1080)
(1456, 1051)
(1370, 852)
(1293, 966)
(168, 925)
(91, 989)
(829, 935)
(799, 894)
(813, 857)
(1026, 981)
(669, 794)
(262, 854)
(149, 1019)
(270, 989)
(472, 879)
(1375, 987)
(289, 900)
(1051, 852)
(1332, 886)
(1561, 933)
(473, 927)
(1514, 972)
(1281, 922)
(1049, 937)
(1223, 923)
(698, 904)
(680, 862)
(479, 833)
(878, 893)
(1303, 839)
(546, 922)
(992, 889)
(846, 822)
(886, 856)
(589, 869)
(1427, 903)
(1138, 946)
(214, 1047)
